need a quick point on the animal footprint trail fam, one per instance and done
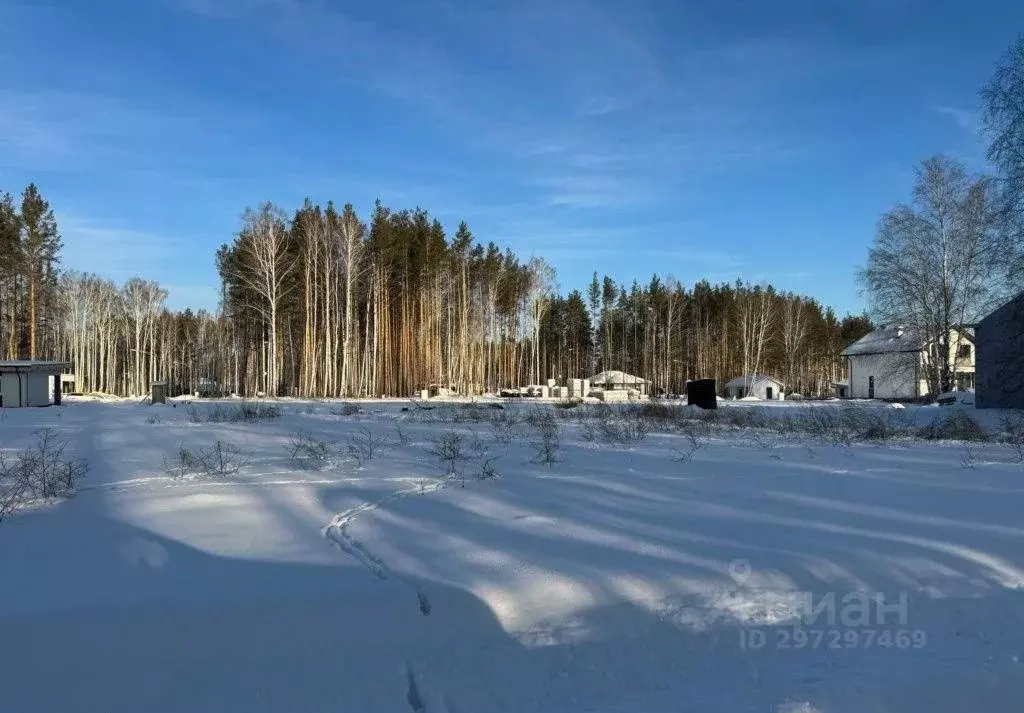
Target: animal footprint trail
(337, 532)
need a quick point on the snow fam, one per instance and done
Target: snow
(965, 397)
(887, 340)
(751, 381)
(615, 377)
(618, 579)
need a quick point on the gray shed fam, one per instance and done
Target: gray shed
(756, 385)
(999, 357)
(30, 383)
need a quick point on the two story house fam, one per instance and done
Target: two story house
(892, 362)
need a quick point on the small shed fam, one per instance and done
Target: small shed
(30, 383)
(619, 381)
(755, 385)
(842, 388)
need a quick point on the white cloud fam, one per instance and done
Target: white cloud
(966, 119)
(113, 252)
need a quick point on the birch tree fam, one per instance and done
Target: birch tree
(940, 261)
(264, 262)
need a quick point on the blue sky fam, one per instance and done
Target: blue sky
(699, 139)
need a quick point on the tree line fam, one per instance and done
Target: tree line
(319, 303)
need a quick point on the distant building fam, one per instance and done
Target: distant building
(619, 381)
(1000, 360)
(892, 362)
(755, 385)
(842, 388)
(30, 383)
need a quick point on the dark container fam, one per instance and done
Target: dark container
(702, 393)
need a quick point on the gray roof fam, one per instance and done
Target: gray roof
(49, 367)
(887, 340)
(750, 381)
(896, 340)
(615, 377)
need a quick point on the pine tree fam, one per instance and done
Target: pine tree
(40, 247)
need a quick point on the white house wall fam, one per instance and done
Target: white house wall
(894, 375)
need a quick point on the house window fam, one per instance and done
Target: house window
(963, 351)
(964, 381)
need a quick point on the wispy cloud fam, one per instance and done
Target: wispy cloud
(114, 252)
(581, 98)
(44, 130)
(971, 147)
(967, 119)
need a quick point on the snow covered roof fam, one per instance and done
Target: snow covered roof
(750, 381)
(887, 340)
(615, 377)
(895, 340)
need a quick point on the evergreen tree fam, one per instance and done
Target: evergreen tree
(40, 248)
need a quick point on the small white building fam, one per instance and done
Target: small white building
(892, 362)
(755, 385)
(30, 383)
(619, 381)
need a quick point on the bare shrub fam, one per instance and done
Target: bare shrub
(240, 413)
(588, 432)
(11, 495)
(504, 426)
(743, 417)
(401, 437)
(465, 413)
(541, 418)
(153, 418)
(766, 441)
(873, 424)
(828, 425)
(182, 463)
(1011, 426)
(487, 471)
(636, 430)
(364, 445)
(475, 444)
(314, 453)
(450, 451)
(44, 470)
(968, 456)
(653, 410)
(623, 431)
(697, 434)
(345, 409)
(221, 459)
(957, 426)
(546, 443)
(546, 449)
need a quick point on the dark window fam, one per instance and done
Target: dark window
(964, 351)
(871, 387)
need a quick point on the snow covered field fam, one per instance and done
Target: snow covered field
(743, 572)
